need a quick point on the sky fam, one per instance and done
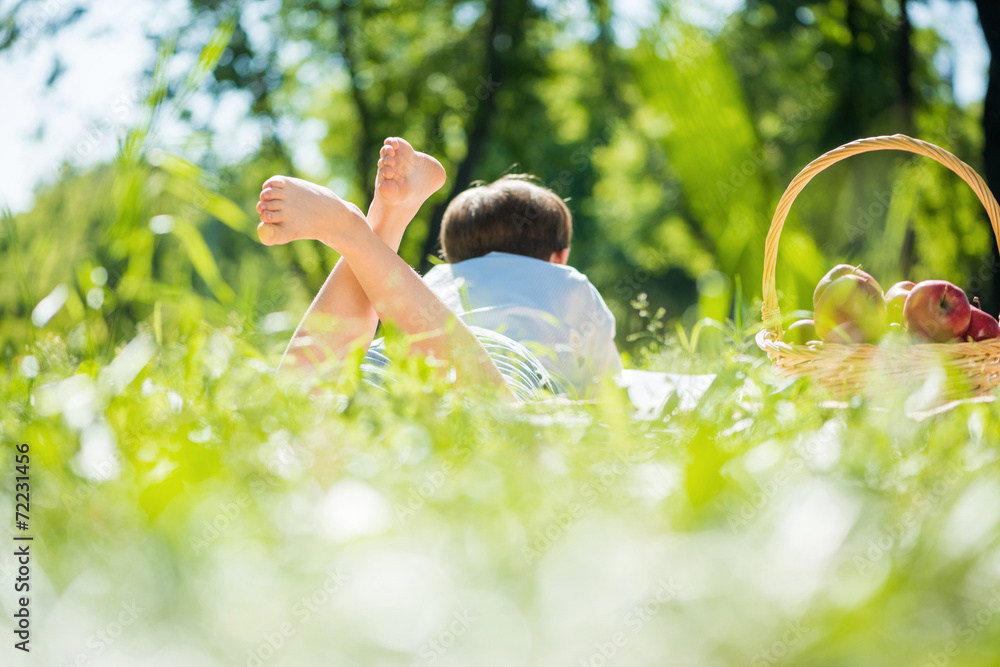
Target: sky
(105, 53)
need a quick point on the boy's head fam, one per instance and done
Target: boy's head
(512, 214)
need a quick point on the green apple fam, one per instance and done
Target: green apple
(895, 298)
(851, 310)
(800, 332)
(840, 271)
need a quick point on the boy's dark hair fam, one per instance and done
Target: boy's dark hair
(512, 214)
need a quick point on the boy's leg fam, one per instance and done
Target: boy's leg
(341, 315)
(392, 287)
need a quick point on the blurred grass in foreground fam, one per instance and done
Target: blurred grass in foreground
(234, 518)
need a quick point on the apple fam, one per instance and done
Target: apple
(982, 326)
(937, 311)
(840, 271)
(851, 310)
(800, 332)
(895, 298)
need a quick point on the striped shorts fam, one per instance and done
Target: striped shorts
(522, 371)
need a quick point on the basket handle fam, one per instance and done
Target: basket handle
(770, 312)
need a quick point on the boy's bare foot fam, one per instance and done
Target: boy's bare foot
(292, 209)
(406, 177)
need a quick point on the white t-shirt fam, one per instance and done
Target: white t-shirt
(551, 309)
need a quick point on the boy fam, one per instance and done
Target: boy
(507, 280)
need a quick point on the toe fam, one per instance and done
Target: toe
(273, 205)
(271, 234)
(386, 150)
(260, 207)
(274, 182)
(387, 172)
(265, 233)
(272, 193)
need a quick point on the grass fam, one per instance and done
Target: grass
(250, 521)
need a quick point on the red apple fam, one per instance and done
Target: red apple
(937, 311)
(895, 298)
(982, 326)
(840, 271)
(851, 310)
(800, 333)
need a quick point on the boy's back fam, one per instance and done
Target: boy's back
(552, 309)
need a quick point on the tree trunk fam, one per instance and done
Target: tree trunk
(904, 65)
(365, 135)
(849, 118)
(989, 19)
(904, 72)
(478, 132)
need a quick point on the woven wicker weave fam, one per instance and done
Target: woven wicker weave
(968, 368)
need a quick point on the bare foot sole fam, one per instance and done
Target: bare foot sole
(405, 176)
(292, 209)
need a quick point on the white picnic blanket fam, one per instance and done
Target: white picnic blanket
(650, 391)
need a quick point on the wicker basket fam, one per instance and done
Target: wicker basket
(957, 370)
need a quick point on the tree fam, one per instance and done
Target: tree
(989, 19)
